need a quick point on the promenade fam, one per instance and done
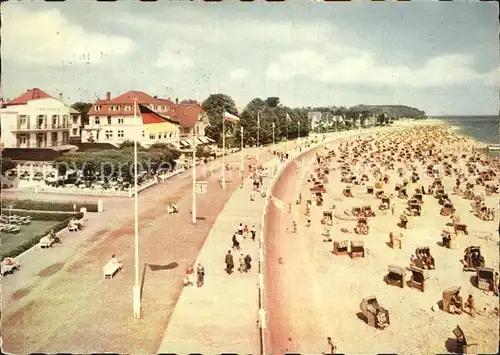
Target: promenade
(52, 303)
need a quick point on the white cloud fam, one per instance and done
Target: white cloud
(229, 30)
(360, 67)
(238, 74)
(48, 38)
(175, 55)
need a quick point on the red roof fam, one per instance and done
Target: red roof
(31, 94)
(150, 117)
(185, 114)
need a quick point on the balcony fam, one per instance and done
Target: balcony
(45, 127)
(92, 126)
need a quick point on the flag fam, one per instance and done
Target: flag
(231, 118)
(288, 117)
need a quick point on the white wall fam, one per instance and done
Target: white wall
(49, 107)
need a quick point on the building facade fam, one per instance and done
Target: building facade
(37, 120)
(115, 120)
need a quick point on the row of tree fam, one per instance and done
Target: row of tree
(258, 115)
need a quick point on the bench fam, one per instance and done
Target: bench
(110, 269)
(46, 242)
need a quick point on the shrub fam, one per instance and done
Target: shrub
(36, 239)
(60, 206)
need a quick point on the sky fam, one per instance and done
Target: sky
(441, 57)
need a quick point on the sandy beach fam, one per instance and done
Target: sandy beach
(314, 294)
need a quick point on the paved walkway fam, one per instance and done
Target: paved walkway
(222, 315)
(59, 301)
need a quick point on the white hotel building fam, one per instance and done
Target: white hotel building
(113, 120)
(37, 120)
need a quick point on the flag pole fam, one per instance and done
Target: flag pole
(136, 290)
(223, 151)
(193, 209)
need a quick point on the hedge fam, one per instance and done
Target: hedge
(42, 215)
(36, 239)
(37, 205)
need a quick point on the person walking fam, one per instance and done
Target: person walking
(236, 245)
(229, 262)
(245, 232)
(240, 229)
(253, 231)
(242, 263)
(331, 345)
(200, 272)
(248, 262)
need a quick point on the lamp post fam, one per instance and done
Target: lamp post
(273, 136)
(298, 130)
(193, 208)
(137, 289)
(258, 133)
(242, 167)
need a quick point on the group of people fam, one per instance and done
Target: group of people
(245, 263)
(245, 260)
(74, 225)
(189, 280)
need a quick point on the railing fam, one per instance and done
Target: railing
(41, 127)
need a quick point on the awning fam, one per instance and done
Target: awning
(176, 145)
(185, 144)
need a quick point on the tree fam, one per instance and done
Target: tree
(273, 101)
(83, 108)
(214, 106)
(127, 143)
(189, 101)
(7, 164)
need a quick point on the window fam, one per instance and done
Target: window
(120, 134)
(22, 139)
(109, 134)
(127, 108)
(152, 136)
(143, 134)
(97, 108)
(156, 108)
(75, 131)
(170, 135)
(120, 121)
(96, 120)
(75, 119)
(162, 108)
(165, 135)
(54, 120)
(23, 120)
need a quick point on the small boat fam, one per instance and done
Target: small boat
(494, 147)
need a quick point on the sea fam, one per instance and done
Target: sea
(482, 128)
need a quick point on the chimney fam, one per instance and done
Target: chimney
(108, 96)
(60, 96)
(155, 97)
(177, 100)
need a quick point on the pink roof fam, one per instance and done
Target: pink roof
(31, 94)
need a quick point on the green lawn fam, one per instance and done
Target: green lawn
(10, 241)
